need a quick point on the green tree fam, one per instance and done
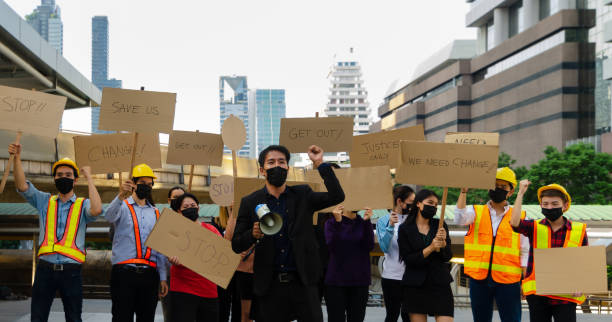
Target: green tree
(584, 172)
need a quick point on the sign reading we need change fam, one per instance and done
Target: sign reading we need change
(31, 111)
(448, 164)
(137, 111)
(382, 148)
(109, 153)
(332, 134)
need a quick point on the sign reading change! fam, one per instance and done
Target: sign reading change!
(195, 148)
(382, 148)
(30, 111)
(109, 153)
(448, 164)
(332, 134)
(137, 111)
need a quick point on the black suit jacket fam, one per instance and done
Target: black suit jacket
(418, 268)
(302, 202)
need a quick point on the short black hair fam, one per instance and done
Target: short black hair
(402, 192)
(174, 188)
(179, 200)
(74, 171)
(263, 154)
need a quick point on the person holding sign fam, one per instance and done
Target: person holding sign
(349, 239)
(194, 298)
(393, 269)
(553, 231)
(137, 270)
(287, 267)
(494, 254)
(426, 250)
(63, 220)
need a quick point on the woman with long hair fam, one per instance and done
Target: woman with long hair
(425, 249)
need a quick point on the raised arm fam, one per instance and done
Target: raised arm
(515, 220)
(20, 180)
(95, 201)
(334, 194)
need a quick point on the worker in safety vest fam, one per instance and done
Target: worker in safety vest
(553, 231)
(495, 255)
(63, 221)
(137, 270)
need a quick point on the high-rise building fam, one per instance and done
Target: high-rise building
(601, 35)
(269, 105)
(47, 21)
(233, 99)
(99, 64)
(529, 75)
(348, 96)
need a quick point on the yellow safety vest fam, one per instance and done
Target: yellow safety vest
(67, 246)
(542, 239)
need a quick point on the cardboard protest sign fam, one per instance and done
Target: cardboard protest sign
(137, 111)
(485, 138)
(31, 111)
(448, 164)
(233, 133)
(109, 153)
(382, 148)
(222, 190)
(245, 186)
(197, 248)
(195, 148)
(332, 134)
(570, 270)
(363, 187)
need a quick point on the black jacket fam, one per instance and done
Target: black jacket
(418, 268)
(302, 202)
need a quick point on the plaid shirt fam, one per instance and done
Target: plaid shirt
(557, 239)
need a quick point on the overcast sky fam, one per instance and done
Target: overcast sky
(184, 46)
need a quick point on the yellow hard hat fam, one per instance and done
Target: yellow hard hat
(557, 187)
(506, 174)
(143, 170)
(66, 162)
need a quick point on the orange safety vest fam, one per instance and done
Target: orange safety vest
(505, 266)
(140, 259)
(542, 239)
(67, 246)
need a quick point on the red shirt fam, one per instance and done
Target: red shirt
(184, 280)
(557, 239)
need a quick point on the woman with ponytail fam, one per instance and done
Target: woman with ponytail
(426, 250)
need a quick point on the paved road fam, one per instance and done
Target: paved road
(99, 311)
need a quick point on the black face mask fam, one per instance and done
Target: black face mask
(64, 185)
(191, 213)
(406, 210)
(143, 191)
(276, 176)
(498, 195)
(552, 214)
(428, 211)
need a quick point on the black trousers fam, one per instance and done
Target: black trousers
(47, 281)
(134, 292)
(346, 303)
(229, 301)
(190, 308)
(392, 294)
(541, 310)
(288, 301)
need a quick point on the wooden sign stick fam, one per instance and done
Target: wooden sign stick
(133, 159)
(234, 164)
(444, 196)
(9, 164)
(191, 174)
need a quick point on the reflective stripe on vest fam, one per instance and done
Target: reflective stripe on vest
(140, 258)
(66, 246)
(506, 263)
(542, 239)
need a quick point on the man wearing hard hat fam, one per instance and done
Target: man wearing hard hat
(63, 221)
(553, 231)
(137, 270)
(495, 255)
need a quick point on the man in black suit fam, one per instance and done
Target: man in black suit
(287, 266)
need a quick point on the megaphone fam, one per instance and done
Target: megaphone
(270, 223)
